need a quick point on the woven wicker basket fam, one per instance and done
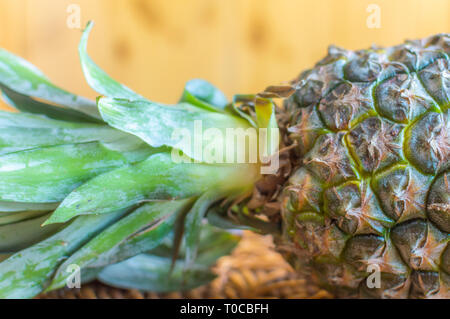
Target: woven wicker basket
(254, 270)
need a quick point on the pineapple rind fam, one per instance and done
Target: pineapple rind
(390, 106)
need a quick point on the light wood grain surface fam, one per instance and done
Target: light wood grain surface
(155, 46)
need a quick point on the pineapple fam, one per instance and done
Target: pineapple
(360, 200)
(371, 187)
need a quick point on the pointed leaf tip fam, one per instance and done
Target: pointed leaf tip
(53, 219)
(98, 79)
(48, 221)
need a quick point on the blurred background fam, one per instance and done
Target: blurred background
(155, 46)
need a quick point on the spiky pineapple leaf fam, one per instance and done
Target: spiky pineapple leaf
(26, 273)
(175, 126)
(197, 92)
(265, 113)
(141, 241)
(96, 77)
(178, 232)
(49, 174)
(211, 239)
(215, 243)
(194, 223)
(205, 95)
(156, 178)
(22, 77)
(155, 220)
(27, 104)
(23, 120)
(21, 131)
(152, 271)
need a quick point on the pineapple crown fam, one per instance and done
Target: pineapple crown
(112, 179)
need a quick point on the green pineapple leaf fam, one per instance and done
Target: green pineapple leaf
(215, 243)
(265, 116)
(194, 224)
(96, 77)
(142, 240)
(156, 178)
(49, 174)
(26, 273)
(27, 104)
(22, 131)
(205, 95)
(155, 220)
(175, 126)
(152, 271)
(18, 75)
(149, 152)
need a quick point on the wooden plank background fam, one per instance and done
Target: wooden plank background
(155, 46)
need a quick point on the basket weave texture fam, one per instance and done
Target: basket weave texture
(253, 270)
